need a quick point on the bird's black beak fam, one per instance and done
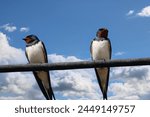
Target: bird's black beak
(24, 39)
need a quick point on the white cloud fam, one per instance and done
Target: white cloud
(130, 12)
(9, 54)
(145, 12)
(11, 28)
(8, 27)
(130, 83)
(61, 58)
(24, 29)
(119, 53)
(74, 84)
(125, 82)
(15, 85)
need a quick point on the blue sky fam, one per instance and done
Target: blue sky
(67, 28)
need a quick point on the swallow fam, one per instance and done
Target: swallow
(100, 49)
(36, 53)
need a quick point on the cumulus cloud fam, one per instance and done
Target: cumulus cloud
(8, 27)
(61, 58)
(130, 83)
(145, 12)
(24, 29)
(125, 82)
(74, 84)
(9, 54)
(14, 85)
(131, 12)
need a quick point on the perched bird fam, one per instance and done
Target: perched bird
(36, 53)
(101, 50)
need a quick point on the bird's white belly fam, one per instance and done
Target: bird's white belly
(35, 53)
(100, 50)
